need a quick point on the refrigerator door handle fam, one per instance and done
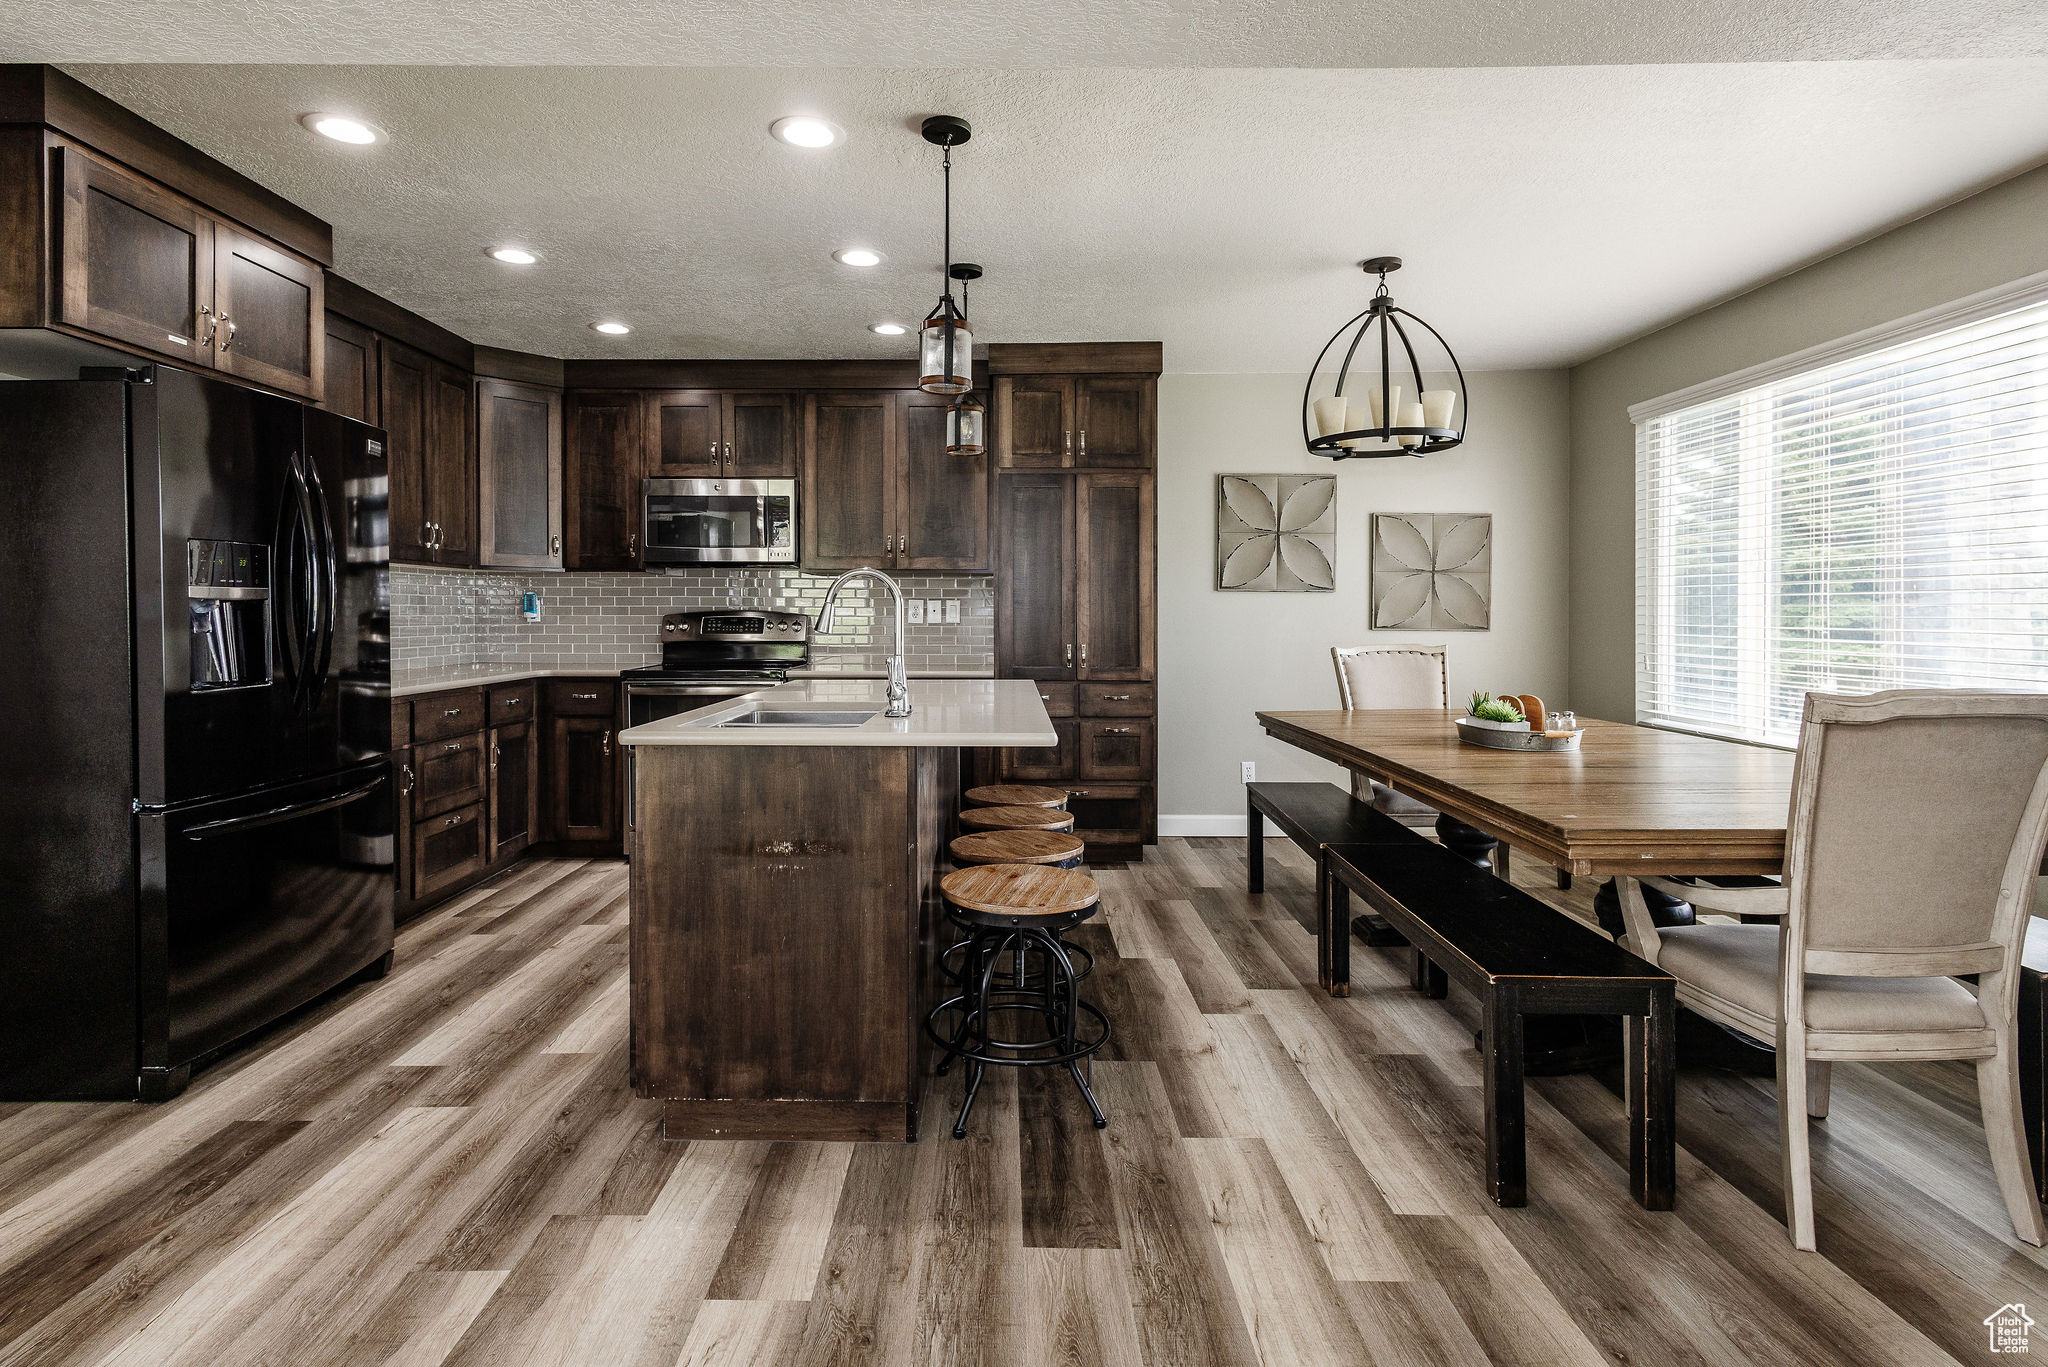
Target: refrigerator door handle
(323, 527)
(235, 824)
(309, 627)
(291, 633)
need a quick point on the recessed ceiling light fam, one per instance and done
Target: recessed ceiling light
(514, 256)
(802, 130)
(857, 256)
(887, 329)
(342, 128)
(612, 329)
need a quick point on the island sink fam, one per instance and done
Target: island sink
(793, 717)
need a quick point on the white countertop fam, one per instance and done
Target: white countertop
(944, 712)
(440, 683)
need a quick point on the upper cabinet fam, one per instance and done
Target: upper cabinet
(1066, 422)
(760, 439)
(879, 488)
(605, 439)
(424, 407)
(143, 267)
(714, 434)
(519, 475)
(350, 388)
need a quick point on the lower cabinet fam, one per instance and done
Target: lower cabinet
(515, 789)
(583, 779)
(447, 851)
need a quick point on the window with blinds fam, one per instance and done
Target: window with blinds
(1880, 521)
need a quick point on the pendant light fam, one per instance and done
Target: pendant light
(967, 419)
(946, 348)
(1382, 415)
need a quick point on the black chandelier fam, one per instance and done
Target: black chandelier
(1394, 420)
(946, 345)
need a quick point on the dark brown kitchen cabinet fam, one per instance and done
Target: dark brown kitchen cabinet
(350, 387)
(447, 774)
(1035, 576)
(943, 499)
(1034, 422)
(424, 406)
(850, 488)
(519, 475)
(604, 432)
(583, 779)
(514, 788)
(1050, 765)
(760, 435)
(144, 267)
(1114, 610)
(451, 465)
(686, 428)
(1114, 749)
(448, 850)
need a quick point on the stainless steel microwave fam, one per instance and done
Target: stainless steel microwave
(718, 522)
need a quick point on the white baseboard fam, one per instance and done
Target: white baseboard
(1209, 825)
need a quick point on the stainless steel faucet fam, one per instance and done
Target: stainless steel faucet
(899, 687)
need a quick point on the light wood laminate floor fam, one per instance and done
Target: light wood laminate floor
(448, 1167)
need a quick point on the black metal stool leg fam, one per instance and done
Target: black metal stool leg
(967, 1103)
(1070, 1017)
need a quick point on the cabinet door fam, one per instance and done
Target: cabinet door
(519, 475)
(944, 499)
(349, 363)
(1115, 422)
(583, 779)
(134, 263)
(404, 378)
(1044, 766)
(1115, 749)
(687, 428)
(1034, 422)
(270, 313)
(448, 850)
(760, 436)
(848, 513)
(447, 774)
(515, 789)
(1114, 543)
(1035, 581)
(604, 457)
(451, 465)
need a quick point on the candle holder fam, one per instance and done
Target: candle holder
(1430, 420)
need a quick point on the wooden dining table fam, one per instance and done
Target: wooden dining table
(1629, 800)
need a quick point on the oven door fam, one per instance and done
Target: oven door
(658, 699)
(718, 521)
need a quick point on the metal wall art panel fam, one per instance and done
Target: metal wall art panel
(1432, 571)
(1276, 533)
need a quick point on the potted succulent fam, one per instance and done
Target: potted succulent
(1495, 714)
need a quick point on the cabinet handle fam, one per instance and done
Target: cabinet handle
(555, 545)
(728, 458)
(1116, 730)
(494, 754)
(453, 821)
(1084, 443)
(405, 778)
(1077, 792)
(1070, 652)
(584, 697)
(452, 712)
(206, 312)
(228, 340)
(1084, 654)
(633, 544)
(714, 453)
(607, 745)
(1070, 443)
(1045, 697)
(1116, 697)
(454, 745)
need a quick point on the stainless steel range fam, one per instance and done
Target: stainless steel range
(709, 657)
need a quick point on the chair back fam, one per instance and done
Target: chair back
(1917, 824)
(1391, 676)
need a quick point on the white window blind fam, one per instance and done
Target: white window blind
(1878, 522)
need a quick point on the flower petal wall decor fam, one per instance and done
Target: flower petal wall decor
(1276, 533)
(1432, 571)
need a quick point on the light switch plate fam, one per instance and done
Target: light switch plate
(952, 609)
(935, 610)
(913, 612)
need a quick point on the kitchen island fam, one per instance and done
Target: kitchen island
(786, 920)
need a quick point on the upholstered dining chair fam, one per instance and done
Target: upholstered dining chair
(1391, 676)
(1916, 826)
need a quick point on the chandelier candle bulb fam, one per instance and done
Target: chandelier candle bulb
(1411, 416)
(1330, 415)
(1437, 407)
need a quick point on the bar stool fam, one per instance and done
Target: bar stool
(1015, 795)
(1020, 908)
(1052, 849)
(1016, 819)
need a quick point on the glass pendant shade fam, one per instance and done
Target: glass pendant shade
(944, 370)
(966, 428)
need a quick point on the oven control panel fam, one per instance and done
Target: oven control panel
(733, 626)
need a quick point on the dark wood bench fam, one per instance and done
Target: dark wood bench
(1522, 957)
(1316, 816)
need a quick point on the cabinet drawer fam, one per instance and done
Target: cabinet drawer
(1115, 750)
(1116, 699)
(512, 703)
(1042, 765)
(446, 850)
(441, 715)
(583, 697)
(1057, 697)
(447, 774)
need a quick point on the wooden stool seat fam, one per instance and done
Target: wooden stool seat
(1017, 847)
(1020, 890)
(1017, 819)
(1015, 795)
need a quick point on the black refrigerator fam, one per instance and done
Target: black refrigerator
(197, 813)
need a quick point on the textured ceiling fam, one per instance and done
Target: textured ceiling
(1041, 34)
(1546, 213)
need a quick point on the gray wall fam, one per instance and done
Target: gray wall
(1988, 240)
(1224, 656)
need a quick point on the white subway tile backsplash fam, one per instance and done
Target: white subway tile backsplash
(447, 621)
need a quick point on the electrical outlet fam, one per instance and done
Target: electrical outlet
(913, 612)
(935, 610)
(952, 610)
(1248, 772)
